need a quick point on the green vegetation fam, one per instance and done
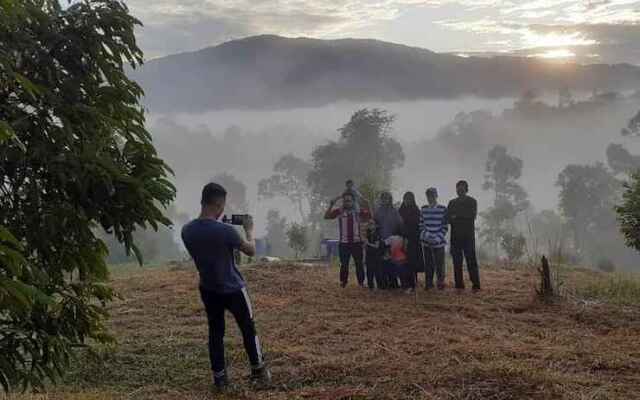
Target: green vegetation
(615, 288)
(76, 157)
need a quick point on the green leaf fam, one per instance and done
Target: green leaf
(6, 133)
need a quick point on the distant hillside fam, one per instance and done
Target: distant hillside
(276, 72)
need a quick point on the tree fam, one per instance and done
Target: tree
(364, 152)
(236, 192)
(588, 194)
(620, 160)
(276, 234)
(502, 174)
(565, 98)
(297, 238)
(289, 180)
(629, 211)
(633, 127)
(548, 230)
(513, 245)
(82, 158)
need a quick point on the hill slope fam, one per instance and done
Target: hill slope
(277, 72)
(323, 342)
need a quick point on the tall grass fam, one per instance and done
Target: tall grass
(617, 288)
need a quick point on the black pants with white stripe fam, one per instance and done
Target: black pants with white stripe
(239, 305)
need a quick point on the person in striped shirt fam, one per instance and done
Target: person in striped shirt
(349, 223)
(433, 232)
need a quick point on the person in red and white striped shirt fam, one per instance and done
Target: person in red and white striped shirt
(349, 222)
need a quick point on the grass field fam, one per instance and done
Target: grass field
(323, 342)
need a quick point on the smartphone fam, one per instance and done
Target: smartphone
(236, 219)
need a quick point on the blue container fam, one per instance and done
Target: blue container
(261, 247)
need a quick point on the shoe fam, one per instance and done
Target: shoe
(427, 288)
(409, 291)
(475, 289)
(441, 286)
(260, 376)
(343, 284)
(221, 380)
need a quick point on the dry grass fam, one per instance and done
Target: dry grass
(323, 342)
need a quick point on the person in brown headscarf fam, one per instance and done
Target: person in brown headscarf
(410, 214)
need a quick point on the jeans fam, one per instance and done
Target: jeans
(348, 250)
(434, 265)
(239, 305)
(465, 247)
(374, 269)
(390, 274)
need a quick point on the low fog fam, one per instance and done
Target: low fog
(438, 149)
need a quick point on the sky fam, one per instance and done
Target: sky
(604, 30)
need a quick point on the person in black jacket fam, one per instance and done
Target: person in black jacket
(462, 212)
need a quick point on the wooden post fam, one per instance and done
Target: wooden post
(546, 288)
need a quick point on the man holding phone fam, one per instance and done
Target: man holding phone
(211, 244)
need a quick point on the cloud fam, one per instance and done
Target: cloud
(179, 25)
(518, 25)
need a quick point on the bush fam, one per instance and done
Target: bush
(297, 237)
(606, 265)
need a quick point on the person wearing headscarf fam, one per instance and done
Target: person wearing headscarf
(410, 214)
(389, 223)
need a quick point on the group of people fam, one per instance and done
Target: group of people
(395, 244)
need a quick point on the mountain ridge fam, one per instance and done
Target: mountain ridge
(272, 72)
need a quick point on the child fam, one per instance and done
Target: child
(374, 256)
(397, 262)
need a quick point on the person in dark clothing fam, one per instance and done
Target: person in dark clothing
(410, 214)
(349, 223)
(374, 257)
(462, 212)
(211, 245)
(389, 223)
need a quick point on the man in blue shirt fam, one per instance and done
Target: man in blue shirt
(211, 244)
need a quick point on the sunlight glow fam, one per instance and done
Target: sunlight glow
(555, 54)
(556, 39)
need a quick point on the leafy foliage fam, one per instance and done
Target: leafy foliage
(82, 158)
(633, 127)
(297, 238)
(629, 211)
(290, 180)
(588, 194)
(502, 174)
(276, 234)
(236, 192)
(514, 245)
(620, 160)
(365, 151)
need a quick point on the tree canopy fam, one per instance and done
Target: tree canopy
(81, 159)
(365, 151)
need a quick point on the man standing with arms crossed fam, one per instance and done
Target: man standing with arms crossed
(462, 212)
(211, 244)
